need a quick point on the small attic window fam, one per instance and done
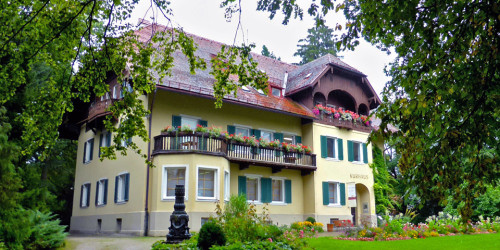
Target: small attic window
(263, 71)
(308, 75)
(245, 88)
(260, 91)
(276, 92)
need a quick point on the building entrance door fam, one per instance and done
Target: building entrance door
(353, 213)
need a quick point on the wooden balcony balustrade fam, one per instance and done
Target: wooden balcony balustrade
(244, 155)
(99, 107)
(330, 120)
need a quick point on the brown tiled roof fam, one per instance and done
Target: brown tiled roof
(202, 82)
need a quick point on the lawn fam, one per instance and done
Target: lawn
(478, 241)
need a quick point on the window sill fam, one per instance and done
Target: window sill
(332, 159)
(171, 199)
(87, 162)
(207, 199)
(278, 203)
(359, 163)
(121, 202)
(255, 202)
(334, 205)
(100, 205)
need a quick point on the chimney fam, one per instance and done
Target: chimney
(285, 80)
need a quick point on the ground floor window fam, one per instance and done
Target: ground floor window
(122, 187)
(172, 176)
(278, 190)
(207, 183)
(85, 195)
(101, 192)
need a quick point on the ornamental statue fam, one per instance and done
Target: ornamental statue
(178, 230)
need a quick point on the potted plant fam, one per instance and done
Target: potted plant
(200, 130)
(167, 130)
(184, 130)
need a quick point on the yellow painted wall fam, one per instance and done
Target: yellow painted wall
(192, 161)
(330, 170)
(168, 104)
(95, 170)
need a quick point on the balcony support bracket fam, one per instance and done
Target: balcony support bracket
(244, 166)
(305, 172)
(276, 170)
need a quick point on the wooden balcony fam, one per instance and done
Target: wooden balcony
(350, 125)
(244, 155)
(98, 109)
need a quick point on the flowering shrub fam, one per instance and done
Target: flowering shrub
(400, 228)
(341, 114)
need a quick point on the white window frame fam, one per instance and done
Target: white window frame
(268, 131)
(86, 156)
(100, 195)
(282, 179)
(336, 145)
(104, 142)
(227, 185)
(360, 152)
(216, 183)
(84, 196)
(190, 117)
(336, 204)
(115, 92)
(272, 93)
(164, 196)
(236, 126)
(292, 134)
(258, 177)
(120, 196)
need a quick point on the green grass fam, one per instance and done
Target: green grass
(478, 241)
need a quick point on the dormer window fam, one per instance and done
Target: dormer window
(245, 88)
(276, 92)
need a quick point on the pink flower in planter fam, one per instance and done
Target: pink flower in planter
(270, 240)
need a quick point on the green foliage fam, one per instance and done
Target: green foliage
(319, 42)
(46, 233)
(211, 234)
(233, 60)
(383, 183)
(311, 219)
(187, 244)
(267, 245)
(265, 52)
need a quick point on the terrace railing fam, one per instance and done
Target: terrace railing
(276, 158)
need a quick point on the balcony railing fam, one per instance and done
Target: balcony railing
(99, 107)
(236, 152)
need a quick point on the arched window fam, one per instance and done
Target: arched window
(341, 99)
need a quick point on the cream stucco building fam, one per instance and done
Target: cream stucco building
(335, 182)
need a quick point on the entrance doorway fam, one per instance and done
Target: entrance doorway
(353, 213)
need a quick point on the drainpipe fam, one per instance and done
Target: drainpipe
(146, 209)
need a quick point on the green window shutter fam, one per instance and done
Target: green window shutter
(91, 148)
(231, 129)
(278, 136)
(256, 133)
(288, 191)
(340, 146)
(365, 153)
(342, 194)
(116, 189)
(96, 192)
(324, 149)
(298, 139)
(176, 121)
(242, 185)
(203, 123)
(105, 191)
(326, 196)
(266, 190)
(127, 181)
(84, 151)
(100, 144)
(88, 194)
(81, 195)
(350, 149)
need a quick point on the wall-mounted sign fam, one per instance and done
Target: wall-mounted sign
(359, 176)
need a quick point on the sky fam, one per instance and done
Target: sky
(206, 19)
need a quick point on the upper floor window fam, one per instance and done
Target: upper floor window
(85, 195)
(101, 192)
(88, 147)
(276, 92)
(122, 187)
(268, 135)
(242, 131)
(187, 121)
(356, 146)
(104, 140)
(358, 152)
(332, 148)
(289, 138)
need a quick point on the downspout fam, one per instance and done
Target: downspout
(146, 208)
